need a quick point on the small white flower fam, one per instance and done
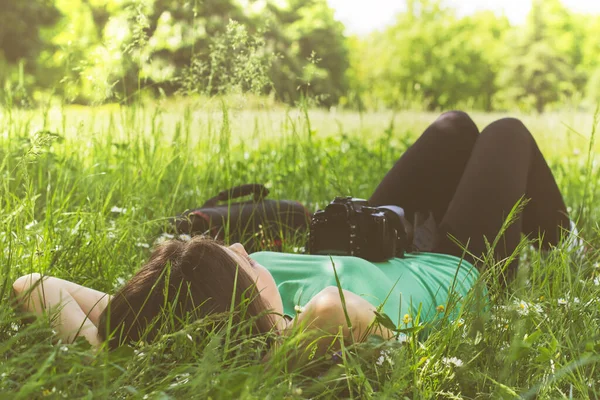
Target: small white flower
(384, 357)
(562, 302)
(597, 281)
(141, 244)
(524, 308)
(64, 348)
(299, 309)
(402, 338)
(576, 300)
(163, 238)
(452, 361)
(118, 210)
(185, 238)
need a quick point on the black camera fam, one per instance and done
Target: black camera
(350, 227)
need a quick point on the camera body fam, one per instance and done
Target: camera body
(351, 227)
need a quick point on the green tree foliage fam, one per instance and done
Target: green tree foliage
(112, 49)
(541, 69)
(433, 58)
(92, 51)
(192, 33)
(591, 60)
(21, 40)
(20, 26)
(313, 52)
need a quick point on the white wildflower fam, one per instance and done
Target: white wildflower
(163, 238)
(141, 244)
(299, 309)
(64, 348)
(402, 338)
(185, 238)
(597, 281)
(118, 210)
(576, 300)
(385, 356)
(524, 308)
(562, 302)
(452, 361)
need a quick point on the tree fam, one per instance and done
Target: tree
(20, 26)
(313, 52)
(430, 57)
(537, 73)
(21, 41)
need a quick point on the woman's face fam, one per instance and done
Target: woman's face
(261, 276)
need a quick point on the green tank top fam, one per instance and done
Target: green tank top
(402, 285)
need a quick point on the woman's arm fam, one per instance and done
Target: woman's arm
(78, 308)
(326, 324)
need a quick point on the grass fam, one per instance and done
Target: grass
(86, 191)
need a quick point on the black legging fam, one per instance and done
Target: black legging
(471, 181)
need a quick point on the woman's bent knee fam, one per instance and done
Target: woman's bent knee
(457, 120)
(26, 282)
(455, 117)
(508, 128)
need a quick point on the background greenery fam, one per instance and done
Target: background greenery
(93, 51)
(116, 114)
(85, 194)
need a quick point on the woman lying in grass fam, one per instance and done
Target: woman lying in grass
(467, 183)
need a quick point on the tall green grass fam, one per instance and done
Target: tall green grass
(85, 192)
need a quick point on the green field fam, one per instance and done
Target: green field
(85, 192)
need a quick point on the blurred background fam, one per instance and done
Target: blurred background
(538, 55)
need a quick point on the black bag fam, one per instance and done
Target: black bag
(258, 224)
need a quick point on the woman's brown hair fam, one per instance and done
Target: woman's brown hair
(182, 281)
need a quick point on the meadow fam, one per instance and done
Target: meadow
(86, 192)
